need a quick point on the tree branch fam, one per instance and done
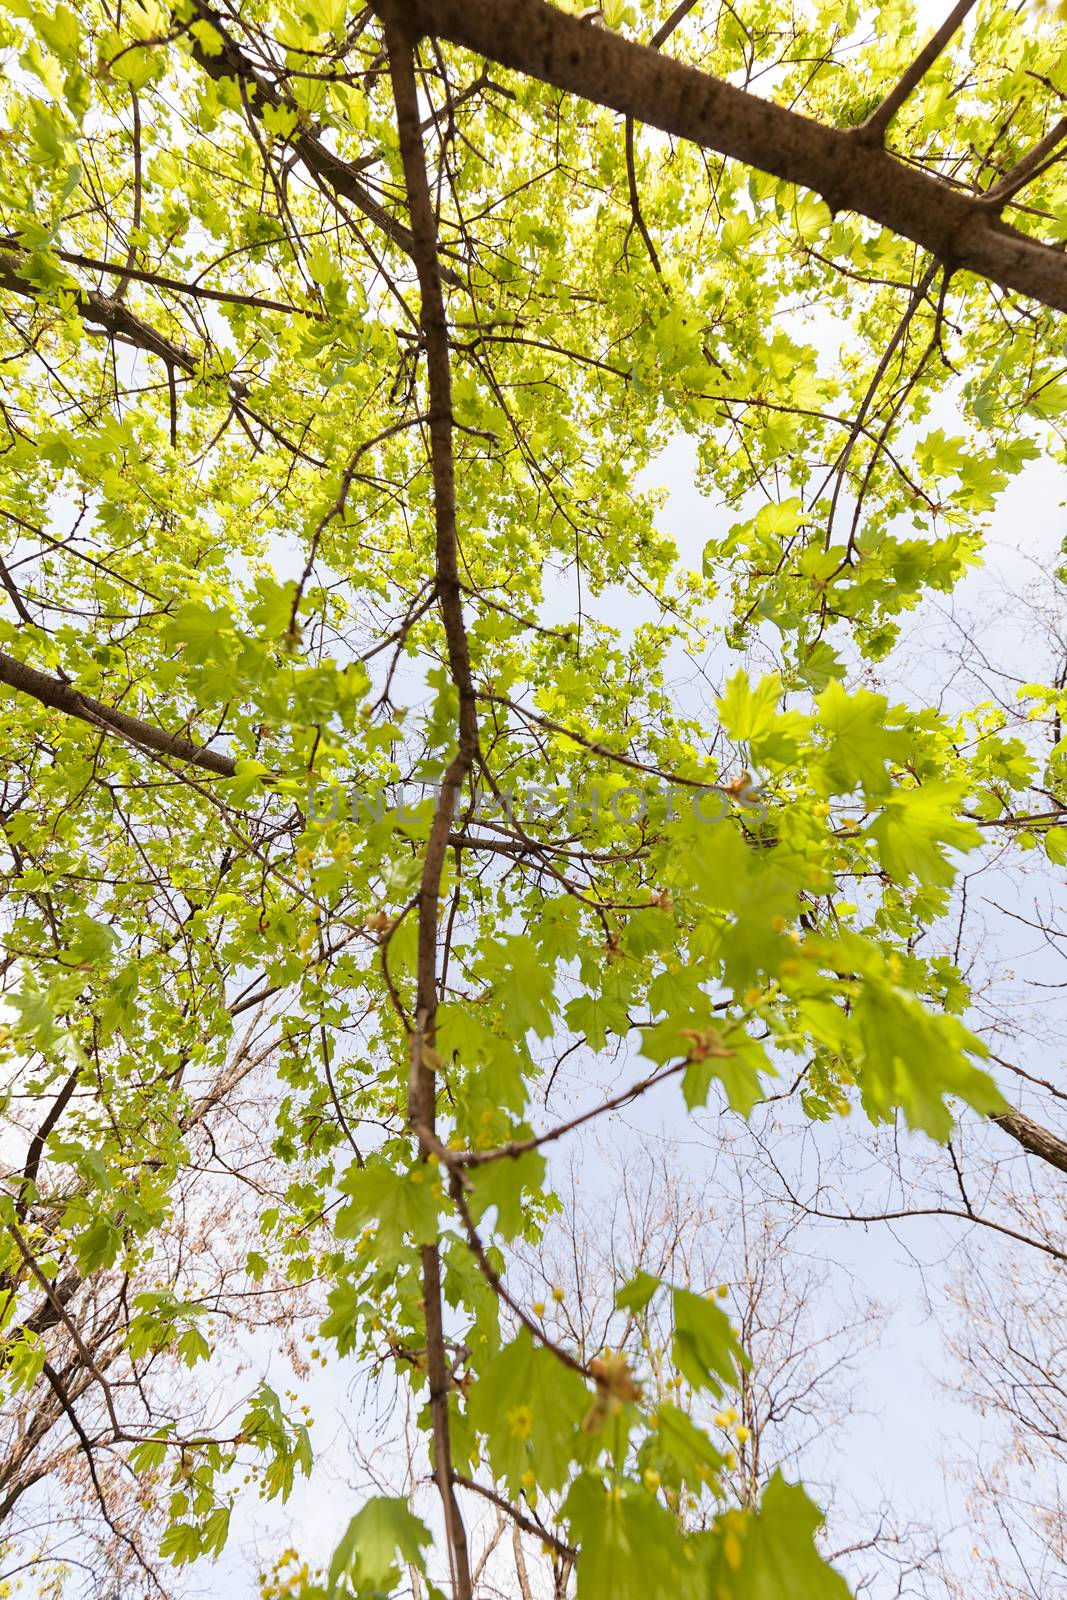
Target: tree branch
(104, 311)
(520, 1147)
(60, 696)
(422, 1088)
(1032, 164)
(158, 280)
(533, 37)
(660, 37)
(1035, 1139)
(330, 169)
(107, 312)
(877, 123)
(534, 1529)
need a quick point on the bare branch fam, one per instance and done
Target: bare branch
(1035, 1140)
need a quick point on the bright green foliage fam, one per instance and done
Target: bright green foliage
(530, 1410)
(766, 1553)
(401, 1206)
(705, 1349)
(219, 516)
(680, 1453)
(379, 1537)
(630, 1543)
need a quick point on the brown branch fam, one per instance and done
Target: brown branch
(879, 120)
(40, 1138)
(336, 173)
(106, 312)
(159, 280)
(138, 190)
(232, 62)
(918, 295)
(676, 18)
(740, 791)
(16, 598)
(635, 201)
(1020, 1072)
(1031, 165)
(457, 1182)
(533, 37)
(86, 1446)
(1035, 1139)
(520, 1147)
(58, 1304)
(534, 1529)
(906, 1213)
(520, 1564)
(60, 696)
(52, 1309)
(338, 509)
(660, 37)
(422, 1090)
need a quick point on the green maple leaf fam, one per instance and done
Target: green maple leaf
(913, 1058)
(630, 1545)
(526, 984)
(400, 1201)
(705, 1346)
(859, 744)
(381, 1536)
(750, 713)
(636, 1294)
(1055, 842)
(917, 826)
(530, 1408)
(769, 1553)
(506, 1185)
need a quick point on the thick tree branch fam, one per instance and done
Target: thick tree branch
(959, 229)
(107, 312)
(104, 311)
(232, 62)
(60, 696)
(1035, 1139)
(332, 170)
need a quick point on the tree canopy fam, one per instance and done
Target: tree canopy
(373, 754)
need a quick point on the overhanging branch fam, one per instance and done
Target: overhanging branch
(337, 174)
(60, 696)
(102, 311)
(961, 230)
(116, 319)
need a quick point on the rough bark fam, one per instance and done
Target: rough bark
(1035, 1139)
